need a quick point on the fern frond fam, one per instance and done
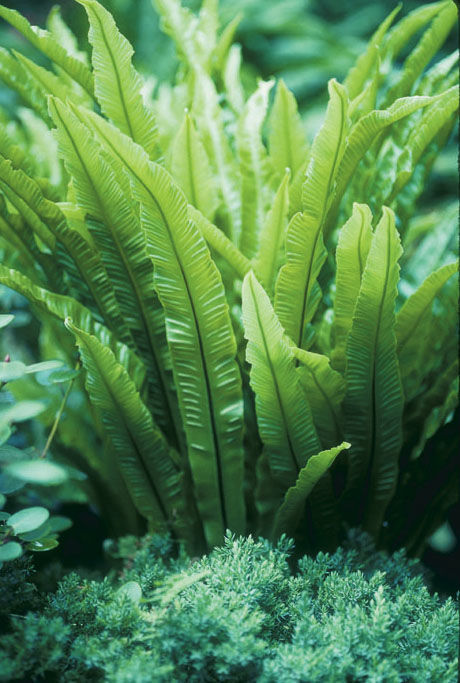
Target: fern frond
(191, 169)
(116, 82)
(44, 41)
(353, 247)
(293, 506)
(412, 325)
(374, 400)
(203, 349)
(139, 448)
(297, 292)
(287, 141)
(324, 390)
(272, 236)
(283, 414)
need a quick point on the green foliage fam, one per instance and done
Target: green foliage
(239, 614)
(139, 243)
(30, 528)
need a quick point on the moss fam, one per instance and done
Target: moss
(240, 614)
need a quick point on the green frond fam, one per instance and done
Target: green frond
(287, 141)
(45, 80)
(117, 84)
(203, 350)
(253, 163)
(138, 447)
(25, 195)
(324, 390)
(63, 35)
(297, 292)
(374, 399)
(45, 42)
(209, 119)
(283, 414)
(434, 118)
(412, 325)
(408, 26)
(114, 225)
(360, 72)
(232, 79)
(292, 508)
(352, 249)
(62, 307)
(191, 169)
(219, 241)
(16, 78)
(272, 236)
(360, 139)
(427, 47)
(194, 37)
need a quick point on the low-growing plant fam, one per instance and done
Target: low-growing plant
(239, 614)
(241, 375)
(30, 528)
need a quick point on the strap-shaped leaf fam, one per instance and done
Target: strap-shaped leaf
(209, 118)
(400, 35)
(16, 78)
(115, 228)
(48, 222)
(219, 241)
(253, 163)
(361, 137)
(138, 446)
(425, 50)
(46, 80)
(291, 510)
(116, 82)
(287, 141)
(297, 292)
(195, 37)
(374, 400)
(272, 236)
(64, 36)
(434, 118)
(25, 195)
(413, 322)
(359, 73)
(283, 414)
(324, 390)
(62, 307)
(44, 41)
(203, 349)
(191, 169)
(351, 254)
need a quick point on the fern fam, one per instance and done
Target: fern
(261, 353)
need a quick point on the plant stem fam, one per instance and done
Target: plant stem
(58, 415)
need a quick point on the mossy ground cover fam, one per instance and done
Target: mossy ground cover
(245, 612)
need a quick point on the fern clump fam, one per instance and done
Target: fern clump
(240, 614)
(261, 350)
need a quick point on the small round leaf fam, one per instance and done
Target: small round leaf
(28, 519)
(5, 320)
(57, 523)
(11, 371)
(42, 531)
(10, 551)
(24, 410)
(42, 545)
(37, 472)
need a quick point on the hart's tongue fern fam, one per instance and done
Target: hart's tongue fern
(298, 399)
